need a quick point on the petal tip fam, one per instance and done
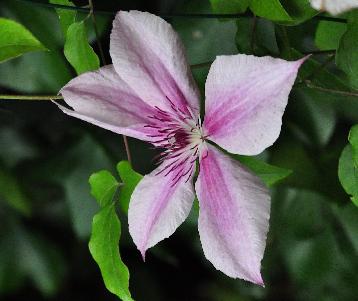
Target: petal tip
(302, 60)
(259, 281)
(142, 252)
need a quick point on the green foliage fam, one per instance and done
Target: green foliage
(47, 72)
(67, 17)
(12, 193)
(328, 34)
(348, 172)
(353, 140)
(130, 180)
(292, 155)
(314, 118)
(106, 228)
(74, 178)
(203, 38)
(347, 53)
(311, 71)
(229, 6)
(348, 165)
(262, 41)
(270, 174)
(103, 187)
(25, 255)
(270, 9)
(77, 50)
(313, 241)
(106, 231)
(16, 40)
(299, 11)
(288, 12)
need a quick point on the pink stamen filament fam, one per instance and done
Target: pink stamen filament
(180, 135)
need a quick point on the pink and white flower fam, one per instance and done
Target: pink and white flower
(334, 7)
(149, 93)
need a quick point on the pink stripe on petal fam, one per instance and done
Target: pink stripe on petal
(138, 131)
(149, 56)
(246, 97)
(158, 207)
(234, 216)
(103, 99)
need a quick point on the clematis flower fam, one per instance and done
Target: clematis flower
(149, 93)
(334, 7)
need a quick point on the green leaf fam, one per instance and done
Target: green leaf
(103, 187)
(312, 70)
(27, 255)
(355, 200)
(270, 9)
(353, 140)
(12, 194)
(130, 180)
(82, 159)
(66, 16)
(348, 216)
(314, 117)
(204, 38)
(347, 54)
(291, 154)
(36, 72)
(328, 34)
(229, 6)
(106, 231)
(16, 40)
(264, 40)
(78, 51)
(347, 172)
(299, 11)
(270, 174)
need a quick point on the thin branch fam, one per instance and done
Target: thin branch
(253, 35)
(319, 68)
(103, 59)
(319, 52)
(99, 45)
(201, 65)
(178, 15)
(128, 152)
(31, 97)
(309, 84)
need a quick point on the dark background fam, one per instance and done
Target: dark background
(46, 158)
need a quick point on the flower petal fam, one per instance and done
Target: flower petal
(149, 56)
(103, 99)
(233, 217)
(334, 7)
(245, 100)
(158, 207)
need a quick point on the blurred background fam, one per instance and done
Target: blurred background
(47, 157)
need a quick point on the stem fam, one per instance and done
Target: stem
(309, 84)
(201, 65)
(318, 52)
(31, 97)
(103, 59)
(164, 15)
(319, 68)
(253, 34)
(99, 45)
(128, 152)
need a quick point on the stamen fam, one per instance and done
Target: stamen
(179, 134)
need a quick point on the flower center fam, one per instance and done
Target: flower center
(180, 136)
